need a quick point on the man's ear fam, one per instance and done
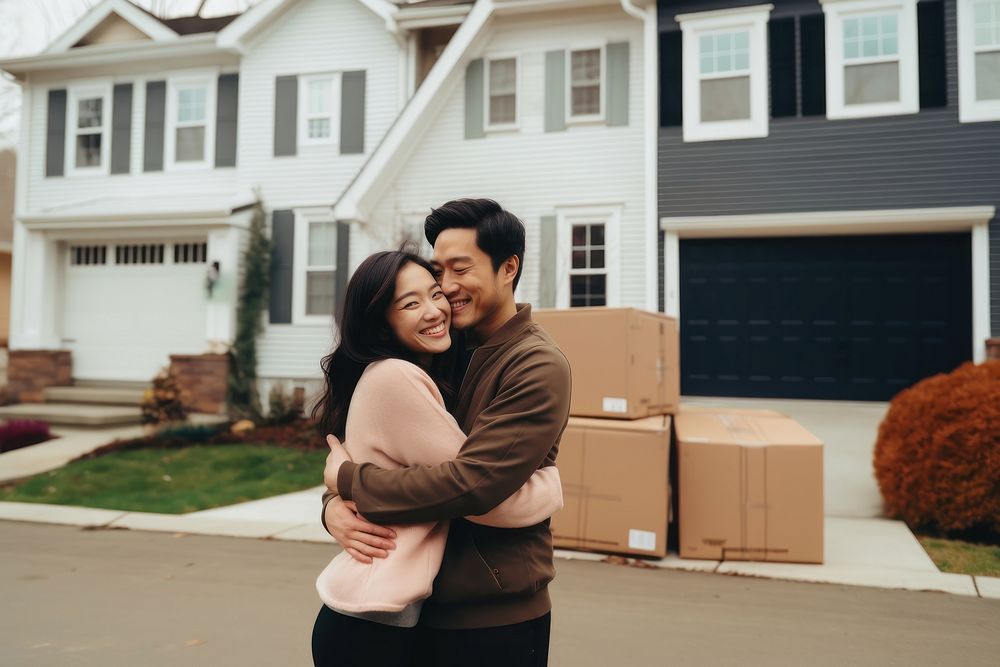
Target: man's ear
(508, 270)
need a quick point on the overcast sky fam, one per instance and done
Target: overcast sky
(28, 26)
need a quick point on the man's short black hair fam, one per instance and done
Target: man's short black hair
(499, 233)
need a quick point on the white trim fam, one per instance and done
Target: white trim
(970, 110)
(830, 222)
(835, 12)
(75, 93)
(672, 274)
(23, 149)
(693, 26)
(142, 21)
(303, 109)
(209, 79)
(300, 263)
(611, 218)
(651, 121)
(602, 85)
(892, 221)
(416, 18)
(501, 127)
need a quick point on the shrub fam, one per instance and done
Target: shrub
(937, 457)
(193, 434)
(21, 433)
(282, 407)
(162, 403)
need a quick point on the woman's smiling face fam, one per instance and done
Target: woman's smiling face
(419, 314)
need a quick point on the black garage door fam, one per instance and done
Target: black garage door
(846, 317)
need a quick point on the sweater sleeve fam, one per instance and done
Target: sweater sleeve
(421, 432)
(509, 441)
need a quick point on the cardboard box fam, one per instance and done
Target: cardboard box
(615, 486)
(625, 361)
(751, 487)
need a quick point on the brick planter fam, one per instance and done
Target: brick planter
(202, 379)
(31, 371)
(993, 348)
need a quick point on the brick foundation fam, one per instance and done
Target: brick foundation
(993, 348)
(202, 379)
(31, 371)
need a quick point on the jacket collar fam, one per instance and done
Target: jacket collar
(511, 327)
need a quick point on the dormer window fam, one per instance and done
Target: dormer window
(89, 122)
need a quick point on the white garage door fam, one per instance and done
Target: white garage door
(129, 306)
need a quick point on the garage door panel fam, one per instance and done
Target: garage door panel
(823, 317)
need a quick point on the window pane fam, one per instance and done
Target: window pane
(868, 84)
(707, 63)
(502, 109)
(725, 99)
(579, 235)
(319, 128)
(319, 293)
(851, 28)
(988, 76)
(869, 48)
(503, 75)
(586, 65)
(89, 112)
(190, 144)
(586, 101)
(987, 19)
(322, 243)
(597, 259)
(191, 104)
(88, 150)
(597, 235)
(588, 290)
(320, 96)
(579, 259)
(869, 26)
(741, 40)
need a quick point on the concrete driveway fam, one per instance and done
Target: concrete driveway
(848, 431)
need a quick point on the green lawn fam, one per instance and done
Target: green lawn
(174, 481)
(963, 557)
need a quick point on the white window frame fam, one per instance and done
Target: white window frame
(74, 95)
(602, 93)
(502, 127)
(300, 264)
(693, 26)
(303, 112)
(608, 215)
(208, 80)
(835, 12)
(970, 110)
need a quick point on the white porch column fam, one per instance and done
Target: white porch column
(35, 291)
(671, 274)
(220, 321)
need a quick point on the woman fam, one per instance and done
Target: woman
(385, 398)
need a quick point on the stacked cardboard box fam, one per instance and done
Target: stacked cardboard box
(614, 457)
(750, 482)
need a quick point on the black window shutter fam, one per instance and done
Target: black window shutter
(671, 79)
(55, 133)
(156, 101)
(282, 245)
(781, 41)
(121, 128)
(226, 112)
(931, 57)
(812, 33)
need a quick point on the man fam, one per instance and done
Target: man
(490, 603)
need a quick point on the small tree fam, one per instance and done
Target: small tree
(242, 398)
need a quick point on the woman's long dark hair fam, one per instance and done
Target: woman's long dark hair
(366, 337)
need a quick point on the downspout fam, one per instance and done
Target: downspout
(650, 40)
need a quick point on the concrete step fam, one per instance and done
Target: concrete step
(73, 414)
(130, 396)
(112, 384)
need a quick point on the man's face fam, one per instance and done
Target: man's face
(474, 290)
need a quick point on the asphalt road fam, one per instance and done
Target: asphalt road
(114, 597)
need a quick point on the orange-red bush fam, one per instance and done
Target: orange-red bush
(937, 458)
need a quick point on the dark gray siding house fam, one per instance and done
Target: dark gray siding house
(829, 223)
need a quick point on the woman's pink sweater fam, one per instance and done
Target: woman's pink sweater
(397, 419)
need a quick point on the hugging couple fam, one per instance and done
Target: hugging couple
(450, 403)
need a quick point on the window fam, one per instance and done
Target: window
(190, 138)
(318, 109)
(88, 138)
(142, 253)
(88, 255)
(587, 268)
(871, 57)
(586, 73)
(979, 60)
(588, 281)
(725, 62)
(501, 91)
(190, 253)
